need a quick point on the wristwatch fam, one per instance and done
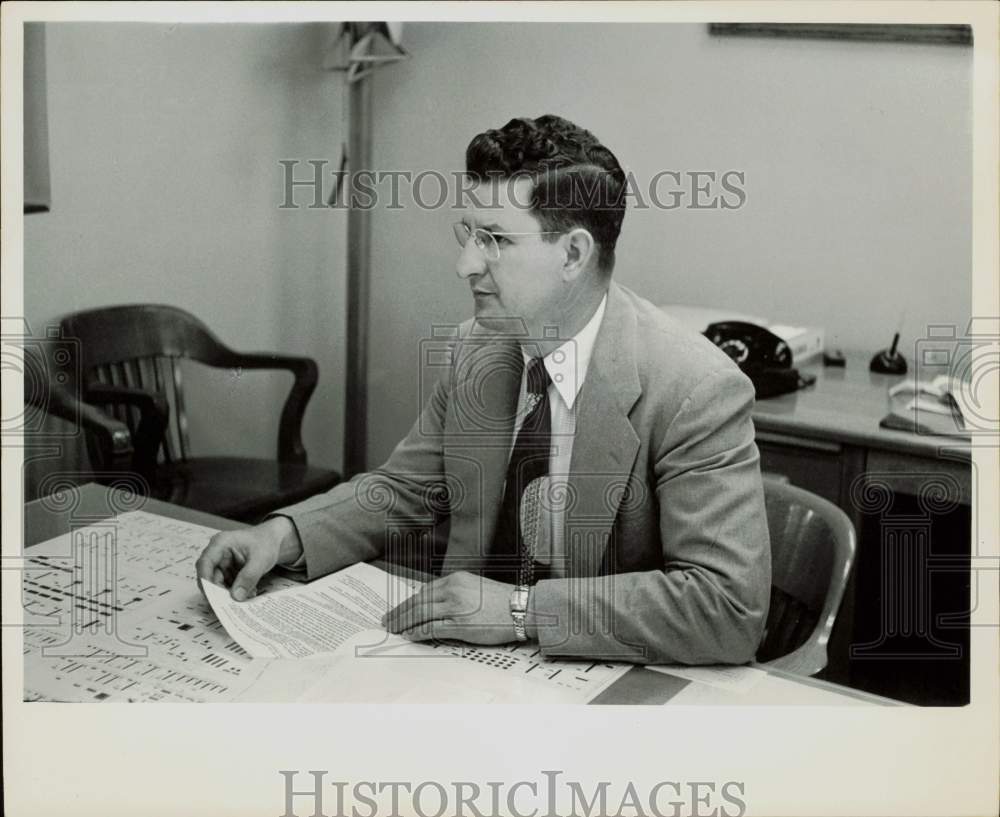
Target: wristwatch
(518, 608)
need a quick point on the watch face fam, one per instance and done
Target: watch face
(519, 600)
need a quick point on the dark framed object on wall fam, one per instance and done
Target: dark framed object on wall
(37, 192)
(859, 32)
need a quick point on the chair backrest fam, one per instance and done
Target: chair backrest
(138, 346)
(813, 544)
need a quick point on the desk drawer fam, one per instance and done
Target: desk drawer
(810, 464)
(904, 473)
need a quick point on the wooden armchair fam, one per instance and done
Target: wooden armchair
(130, 366)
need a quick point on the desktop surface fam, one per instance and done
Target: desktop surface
(45, 519)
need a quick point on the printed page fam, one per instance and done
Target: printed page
(112, 613)
(314, 618)
(340, 614)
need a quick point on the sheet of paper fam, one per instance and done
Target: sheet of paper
(310, 619)
(771, 691)
(287, 680)
(738, 680)
(340, 614)
(509, 664)
(177, 652)
(138, 629)
(113, 613)
(585, 680)
(426, 679)
(134, 561)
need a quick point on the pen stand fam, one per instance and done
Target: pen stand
(889, 361)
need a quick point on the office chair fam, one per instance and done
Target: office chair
(812, 551)
(130, 365)
(86, 446)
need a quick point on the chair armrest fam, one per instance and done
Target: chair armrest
(112, 441)
(154, 415)
(306, 373)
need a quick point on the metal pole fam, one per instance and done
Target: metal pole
(358, 255)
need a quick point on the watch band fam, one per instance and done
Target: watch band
(518, 610)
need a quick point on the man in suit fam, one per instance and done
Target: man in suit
(593, 462)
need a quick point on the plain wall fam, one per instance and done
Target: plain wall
(164, 145)
(857, 162)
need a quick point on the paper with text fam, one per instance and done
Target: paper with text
(112, 613)
(314, 618)
(339, 615)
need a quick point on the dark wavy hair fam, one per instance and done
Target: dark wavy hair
(577, 181)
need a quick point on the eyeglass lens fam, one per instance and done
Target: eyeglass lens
(484, 241)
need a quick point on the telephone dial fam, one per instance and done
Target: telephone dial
(763, 356)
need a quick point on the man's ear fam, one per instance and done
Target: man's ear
(580, 247)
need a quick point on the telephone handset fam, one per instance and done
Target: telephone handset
(763, 356)
(749, 345)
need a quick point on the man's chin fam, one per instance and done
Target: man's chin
(487, 316)
(499, 325)
(491, 317)
(494, 323)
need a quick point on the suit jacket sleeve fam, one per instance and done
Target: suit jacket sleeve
(349, 523)
(709, 602)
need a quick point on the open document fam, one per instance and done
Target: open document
(315, 618)
(112, 613)
(338, 617)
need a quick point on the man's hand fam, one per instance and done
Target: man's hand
(461, 606)
(240, 558)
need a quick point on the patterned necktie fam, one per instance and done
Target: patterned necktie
(529, 460)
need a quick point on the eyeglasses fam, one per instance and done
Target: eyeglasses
(485, 240)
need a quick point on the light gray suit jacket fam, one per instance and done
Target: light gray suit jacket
(666, 536)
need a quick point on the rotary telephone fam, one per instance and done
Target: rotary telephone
(763, 356)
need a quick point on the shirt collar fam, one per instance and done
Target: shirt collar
(567, 365)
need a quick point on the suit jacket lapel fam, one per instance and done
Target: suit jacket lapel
(605, 444)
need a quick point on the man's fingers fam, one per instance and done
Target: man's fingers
(403, 608)
(210, 559)
(441, 628)
(429, 603)
(228, 566)
(238, 559)
(216, 564)
(245, 584)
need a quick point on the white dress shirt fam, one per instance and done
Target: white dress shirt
(567, 367)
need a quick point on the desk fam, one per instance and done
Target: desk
(43, 521)
(826, 439)
(826, 435)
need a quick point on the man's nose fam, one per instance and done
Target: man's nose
(471, 261)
